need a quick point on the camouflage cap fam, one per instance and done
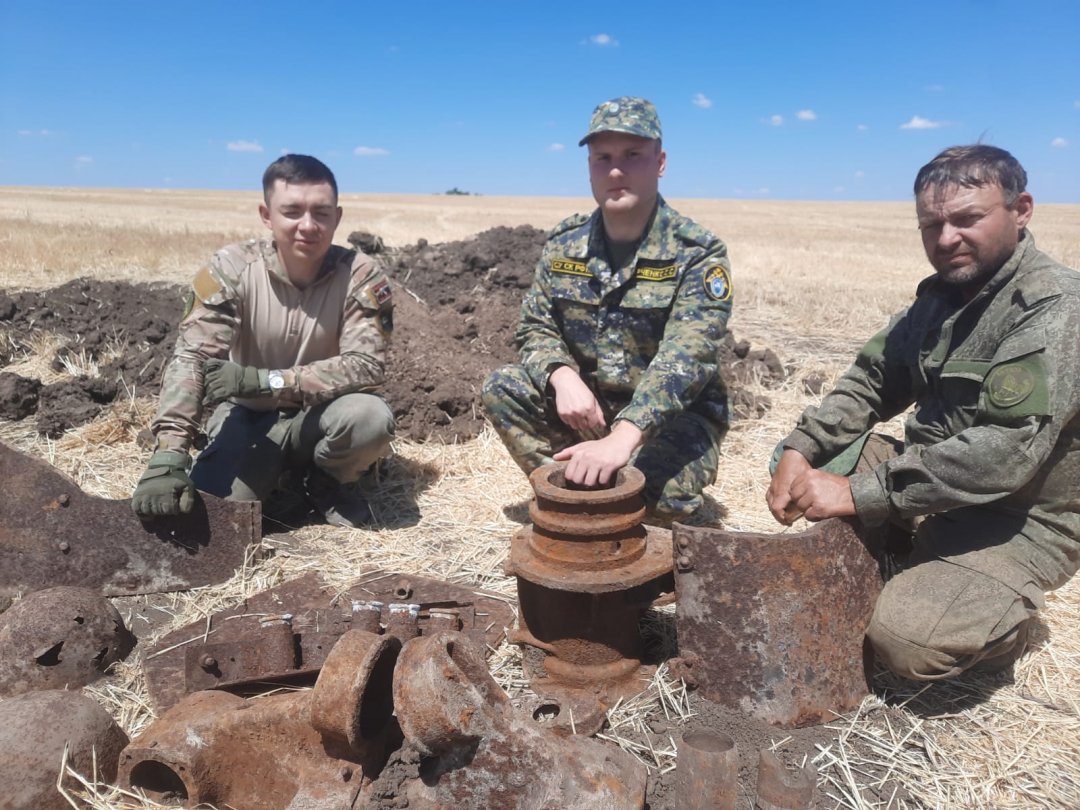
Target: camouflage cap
(630, 114)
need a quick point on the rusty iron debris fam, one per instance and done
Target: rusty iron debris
(779, 788)
(324, 747)
(53, 533)
(286, 632)
(309, 748)
(587, 568)
(707, 772)
(35, 729)
(483, 753)
(772, 625)
(59, 638)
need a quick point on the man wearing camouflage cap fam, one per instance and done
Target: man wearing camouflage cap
(988, 477)
(285, 338)
(620, 330)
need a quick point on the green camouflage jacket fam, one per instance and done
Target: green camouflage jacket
(646, 338)
(328, 339)
(996, 395)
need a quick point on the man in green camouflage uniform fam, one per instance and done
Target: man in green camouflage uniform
(620, 331)
(285, 337)
(989, 473)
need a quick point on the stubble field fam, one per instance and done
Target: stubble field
(812, 282)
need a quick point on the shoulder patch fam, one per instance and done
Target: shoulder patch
(1010, 384)
(205, 286)
(380, 292)
(568, 224)
(570, 267)
(717, 283)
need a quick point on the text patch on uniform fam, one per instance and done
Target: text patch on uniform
(656, 273)
(570, 267)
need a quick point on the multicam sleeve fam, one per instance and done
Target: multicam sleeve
(366, 328)
(206, 330)
(543, 348)
(686, 361)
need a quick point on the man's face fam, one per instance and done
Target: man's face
(968, 233)
(302, 217)
(624, 171)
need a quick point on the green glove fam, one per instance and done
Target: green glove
(223, 379)
(165, 488)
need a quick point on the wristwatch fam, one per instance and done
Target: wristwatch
(276, 380)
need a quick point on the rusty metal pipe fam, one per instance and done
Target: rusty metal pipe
(781, 789)
(707, 776)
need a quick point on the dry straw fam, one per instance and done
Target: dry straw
(812, 282)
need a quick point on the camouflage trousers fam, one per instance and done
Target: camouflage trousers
(249, 450)
(970, 589)
(678, 460)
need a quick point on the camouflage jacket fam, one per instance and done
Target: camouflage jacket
(645, 338)
(328, 339)
(996, 418)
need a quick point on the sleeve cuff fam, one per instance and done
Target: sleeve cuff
(871, 501)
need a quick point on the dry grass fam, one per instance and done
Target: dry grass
(812, 282)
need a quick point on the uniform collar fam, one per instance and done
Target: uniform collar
(270, 258)
(658, 242)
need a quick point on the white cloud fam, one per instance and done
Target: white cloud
(556, 147)
(36, 133)
(82, 161)
(244, 146)
(935, 88)
(1076, 104)
(1059, 142)
(806, 115)
(603, 40)
(370, 151)
(860, 174)
(763, 190)
(917, 122)
(701, 100)
(861, 128)
(838, 189)
(776, 120)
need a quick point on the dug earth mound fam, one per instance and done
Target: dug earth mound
(456, 307)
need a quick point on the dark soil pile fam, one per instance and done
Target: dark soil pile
(456, 308)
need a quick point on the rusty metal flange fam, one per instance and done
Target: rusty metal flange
(773, 625)
(59, 638)
(252, 645)
(53, 533)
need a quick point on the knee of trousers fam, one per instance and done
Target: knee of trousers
(937, 619)
(357, 421)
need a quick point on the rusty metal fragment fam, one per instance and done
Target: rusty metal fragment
(482, 753)
(53, 533)
(307, 749)
(707, 775)
(781, 789)
(772, 625)
(59, 638)
(35, 728)
(587, 568)
(253, 644)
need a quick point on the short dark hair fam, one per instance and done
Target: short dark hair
(974, 166)
(297, 169)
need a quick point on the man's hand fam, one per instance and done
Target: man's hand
(164, 488)
(575, 403)
(797, 490)
(778, 495)
(594, 462)
(223, 379)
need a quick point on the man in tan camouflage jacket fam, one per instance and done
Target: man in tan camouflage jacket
(285, 338)
(988, 477)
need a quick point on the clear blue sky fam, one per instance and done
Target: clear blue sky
(779, 100)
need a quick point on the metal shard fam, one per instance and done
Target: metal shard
(53, 533)
(772, 625)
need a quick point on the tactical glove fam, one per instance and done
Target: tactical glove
(165, 488)
(223, 379)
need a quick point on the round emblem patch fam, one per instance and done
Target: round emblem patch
(718, 283)
(1009, 385)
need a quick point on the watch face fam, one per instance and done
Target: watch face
(277, 381)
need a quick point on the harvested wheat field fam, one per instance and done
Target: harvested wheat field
(812, 282)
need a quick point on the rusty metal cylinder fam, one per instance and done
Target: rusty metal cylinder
(443, 620)
(707, 775)
(402, 621)
(781, 789)
(367, 616)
